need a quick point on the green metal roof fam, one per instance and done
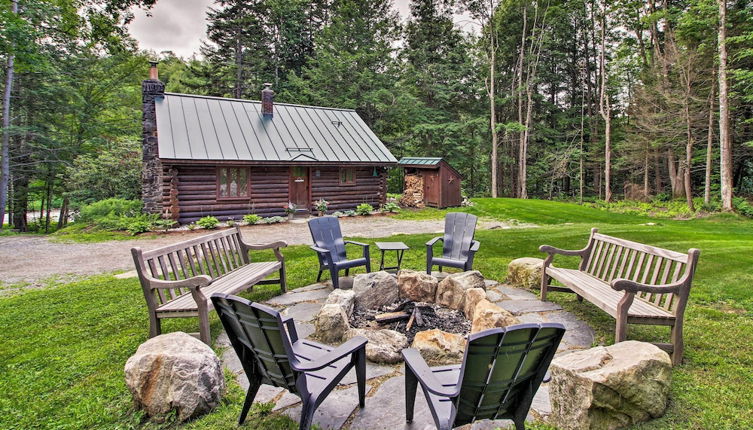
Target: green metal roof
(419, 161)
(193, 127)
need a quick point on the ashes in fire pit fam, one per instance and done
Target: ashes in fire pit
(409, 317)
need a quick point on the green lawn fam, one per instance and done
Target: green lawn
(64, 347)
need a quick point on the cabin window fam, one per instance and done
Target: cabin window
(232, 182)
(347, 176)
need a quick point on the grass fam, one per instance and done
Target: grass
(64, 347)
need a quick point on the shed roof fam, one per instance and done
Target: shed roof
(420, 161)
(193, 127)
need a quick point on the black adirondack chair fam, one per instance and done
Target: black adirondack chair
(458, 246)
(330, 248)
(501, 372)
(271, 353)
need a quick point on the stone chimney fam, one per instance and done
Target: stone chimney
(151, 175)
(267, 101)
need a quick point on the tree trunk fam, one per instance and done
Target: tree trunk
(238, 90)
(725, 144)
(493, 114)
(5, 151)
(522, 137)
(688, 149)
(605, 110)
(709, 146)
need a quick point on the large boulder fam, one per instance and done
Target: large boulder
(438, 347)
(472, 297)
(344, 298)
(451, 290)
(384, 345)
(487, 315)
(374, 290)
(175, 372)
(525, 272)
(609, 387)
(417, 286)
(331, 323)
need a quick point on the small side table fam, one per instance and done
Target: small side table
(398, 247)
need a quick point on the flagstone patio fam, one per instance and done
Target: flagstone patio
(385, 402)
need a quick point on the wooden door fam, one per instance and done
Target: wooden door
(299, 186)
(431, 188)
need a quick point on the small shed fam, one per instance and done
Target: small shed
(430, 181)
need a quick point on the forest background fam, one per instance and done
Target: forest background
(582, 100)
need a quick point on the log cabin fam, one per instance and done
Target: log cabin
(231, 157)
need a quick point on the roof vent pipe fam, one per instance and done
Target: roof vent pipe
(267, 97)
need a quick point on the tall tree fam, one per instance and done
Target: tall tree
(725, 143)
(5, 166)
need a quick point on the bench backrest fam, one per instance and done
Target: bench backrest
(612, 258)
(213, 254)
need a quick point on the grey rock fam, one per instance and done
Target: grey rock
(386, 409)
(312, 287)
(374, 290)
(384, 345)
(438, 347)
(578, 335)
(304, 329)
(472, 297)
(451, 290)
(302, 311)
(490, 283)
(344, 298)
(518, 307)
(334, 410)
(306, 296)
(525, 272)
(609, 387)
(287, 399)
(330, 324)
(417, 286)
(495, 296)
(487, 315)
(175, 371)
(541, 403)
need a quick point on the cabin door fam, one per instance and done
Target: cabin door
(431, 188)
(299, 186)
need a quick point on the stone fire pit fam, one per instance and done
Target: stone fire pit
(410, 309)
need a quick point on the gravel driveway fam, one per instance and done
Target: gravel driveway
(35, 258)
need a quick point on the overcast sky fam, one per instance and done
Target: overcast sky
(180, 25)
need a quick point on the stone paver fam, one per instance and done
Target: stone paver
(302, 311)
(385, 409)
(334, 410)
(519, 307)
(291, 298)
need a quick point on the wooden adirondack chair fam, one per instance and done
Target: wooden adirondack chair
(268, 347)
(330, 248)
(458, 246)
(501, 372)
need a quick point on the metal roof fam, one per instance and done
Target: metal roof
(419, 161)
(193, 127)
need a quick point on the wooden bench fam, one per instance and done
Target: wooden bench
(632, 282)
(179, 279)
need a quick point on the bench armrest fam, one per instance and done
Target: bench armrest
(415, 363)
(634, 287)
(571, 253)
(192, 283)
(341, 351)
(259, 246)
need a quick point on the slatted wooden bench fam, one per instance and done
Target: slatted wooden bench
(179, 279)
(632, 282)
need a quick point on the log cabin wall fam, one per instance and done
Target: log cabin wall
(190, 191)
(367, 188)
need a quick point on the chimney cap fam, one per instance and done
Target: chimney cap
(153, 73)
(267, 84)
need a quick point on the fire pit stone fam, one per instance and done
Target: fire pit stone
(417, 286)
(438, 347)
(472, 297)
(331, 324)
(344, 298)
(376, 289)
(487, 315)
(384, 345)
(451, 290)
